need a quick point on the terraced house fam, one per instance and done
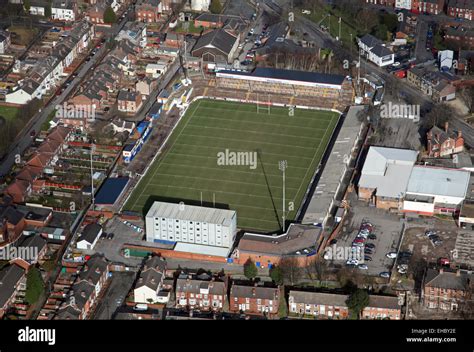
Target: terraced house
(47, 73)
(200, 293)
(257, 300)
(333, 306)
(85, 290)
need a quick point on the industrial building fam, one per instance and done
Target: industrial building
(385, 176)
(191, 228)
(390, 180)
(433, 190)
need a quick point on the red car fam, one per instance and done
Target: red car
(359, 240)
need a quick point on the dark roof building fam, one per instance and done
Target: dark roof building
(217, 43)
(111, 190)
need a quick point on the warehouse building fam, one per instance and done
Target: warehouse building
(385, 176)
(433, 190)
(191, 228)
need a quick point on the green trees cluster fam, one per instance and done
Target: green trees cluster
(109, 15)
(215, 6)
(34, 285)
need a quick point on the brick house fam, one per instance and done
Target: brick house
(200, 294)
(12, 280)
(442, 143)
(461, 9)
(148, 11)
(333, 306)
(95, 14)
(129, 102)
(12, 223)
(445, 290)
(85, 290)
(254, 299)
(464, 37)
(432, 7)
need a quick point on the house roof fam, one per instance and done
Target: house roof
(28, 173)
(388, 170)
(318, 298)
(12, 215)
(32, 241)
(127, 95)
(90, 233)
(448, 280)
(94, 269)
(152, 273)
(195, 286)
(10, 275)
(261, 292)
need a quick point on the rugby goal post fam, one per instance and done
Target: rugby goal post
(264, 105)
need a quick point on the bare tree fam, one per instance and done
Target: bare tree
(290, 270)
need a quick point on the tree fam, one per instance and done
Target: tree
(47, 11)
(391, 21)
(109, 15)
(34, 285)
(27, 5)
(276, 275)
(467, 95)
(215, 6)
(290, 270)
(357, 301)
(381, 32)
(250, 269)
(438, 116)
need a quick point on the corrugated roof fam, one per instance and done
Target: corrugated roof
(191, 213)
(388, 170)
(425, 180)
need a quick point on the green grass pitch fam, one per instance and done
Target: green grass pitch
(188, 165)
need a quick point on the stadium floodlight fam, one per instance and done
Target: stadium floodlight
(283, 165)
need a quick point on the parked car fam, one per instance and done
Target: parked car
(385, 274)
(333, 241)
(359, 240)
(368, 251)
(367, 258)
(357, 244)
(363, 267)
(370, 245)
(110, 236)
(391, 255)
(372, 237)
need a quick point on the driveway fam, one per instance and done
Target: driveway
(115, 294)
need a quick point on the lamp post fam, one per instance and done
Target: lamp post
(283, 165)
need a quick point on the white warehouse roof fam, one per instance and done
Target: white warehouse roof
(433, 181)
(191, 213)
(388, 170)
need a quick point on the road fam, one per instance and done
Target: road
(24, 140)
